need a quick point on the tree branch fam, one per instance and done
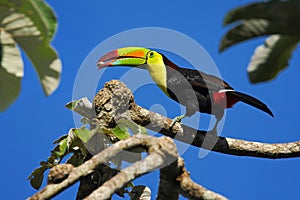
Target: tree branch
(103, 157)
(176, 178)
(115, 93)
(115, 102)
(161, 151)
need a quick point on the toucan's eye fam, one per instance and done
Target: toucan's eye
(151, 54)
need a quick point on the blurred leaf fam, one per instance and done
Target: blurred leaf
(272, 57)
(38, 11)
(37, 176)
(279, 19)
(263, 18)
(269, 10)
(247, 30)
(30, 24)
(11, 70)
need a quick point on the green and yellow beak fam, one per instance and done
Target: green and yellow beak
(128, 56)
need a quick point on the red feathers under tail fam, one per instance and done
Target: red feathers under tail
(248, 100)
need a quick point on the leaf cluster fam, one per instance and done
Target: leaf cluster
(80, 143)
(31, 25)
(276, 19)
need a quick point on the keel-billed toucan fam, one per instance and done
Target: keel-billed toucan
(194, 89)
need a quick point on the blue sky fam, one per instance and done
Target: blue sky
(34, 121)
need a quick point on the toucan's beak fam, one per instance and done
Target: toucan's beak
(128, 56)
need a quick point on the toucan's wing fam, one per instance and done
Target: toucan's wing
(199, 81)
(214, 83)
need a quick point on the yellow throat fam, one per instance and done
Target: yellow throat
(157, 70)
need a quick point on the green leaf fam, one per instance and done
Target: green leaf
(37, 176)
(72, 105)
(134, 127)
(59, 151)
(77, 138)
(38, 11)
(241, 32)
(83, 134)
(31, 24)
(11, 70)
(264, 18)
(121, 132)
(271, 58)
(63, 146)
(60, 139)
(57, 154)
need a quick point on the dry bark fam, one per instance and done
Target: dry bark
(116, 102)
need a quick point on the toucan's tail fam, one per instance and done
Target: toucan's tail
(249, 100)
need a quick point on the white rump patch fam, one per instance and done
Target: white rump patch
(225, 90)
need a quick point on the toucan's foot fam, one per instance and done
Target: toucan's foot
(177, 119)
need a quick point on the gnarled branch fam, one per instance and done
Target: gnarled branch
(114, 102)
(115, 92)
(176, 178)
(161, 151)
